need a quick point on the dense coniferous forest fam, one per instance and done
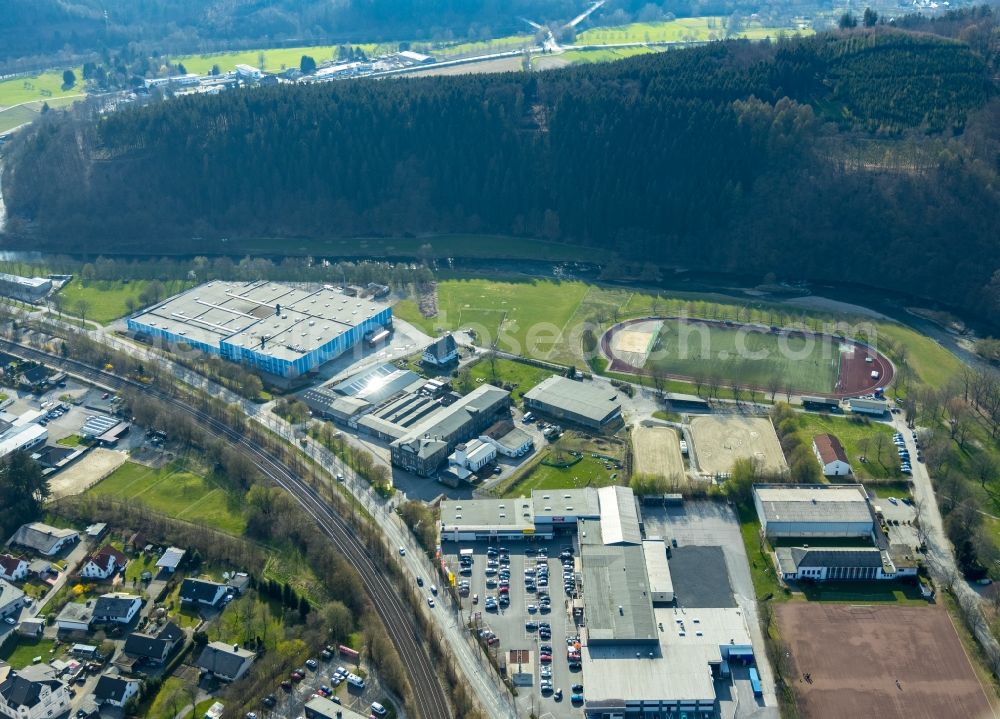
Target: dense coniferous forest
(870, 156)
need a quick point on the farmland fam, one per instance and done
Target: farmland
(177, 492)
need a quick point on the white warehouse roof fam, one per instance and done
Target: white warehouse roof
(814, 503)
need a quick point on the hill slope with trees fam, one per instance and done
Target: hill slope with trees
(870, 156)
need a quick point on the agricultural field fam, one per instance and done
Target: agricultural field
(23, 113)
(656, 452)
(107, 300)
(176, 492)
(720, 440)
(576, 57)
(860, 439)
(694, 29)
(515, 376)
(44, 87)
(585, 470)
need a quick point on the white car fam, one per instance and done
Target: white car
(379, 709)
(10, 620)
(402, 551)
(430, 601)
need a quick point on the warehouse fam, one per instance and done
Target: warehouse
(467, 520)
(275, 328)
(661, 586)
(589, 405)
(839, 563)
(427, 435)
(813, 510)
(28, 289)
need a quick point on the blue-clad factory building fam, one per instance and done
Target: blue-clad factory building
(280, 329)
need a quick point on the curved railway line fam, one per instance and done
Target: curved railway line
(389, 603)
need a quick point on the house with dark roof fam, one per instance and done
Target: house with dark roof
(33, 692)
(42, 538)
(227, 662)
(104, 563)
(34, 378)
(115, 691)
(201, 592)
(13, 569)
(156, 646)
(116, 608)
(838, 563)
(831, 455)
(442, 353)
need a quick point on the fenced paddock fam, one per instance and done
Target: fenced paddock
(656, 452)
(719, 440)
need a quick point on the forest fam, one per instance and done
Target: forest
(868, 156)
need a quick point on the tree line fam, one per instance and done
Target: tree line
(734, 157)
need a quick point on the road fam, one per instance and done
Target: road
(429, 695)
(940, 556)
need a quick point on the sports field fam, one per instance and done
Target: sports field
(878, 661)
(176, 492)
(753, 357)
(720, 440)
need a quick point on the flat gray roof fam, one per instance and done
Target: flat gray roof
(244, 314)
(813, 503)
(565, 502)
(617, 600)
(584, 399)
(700, 577)
(480, 515)
(450, 419)
(657, 567)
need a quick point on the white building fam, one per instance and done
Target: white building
(33, 692)
(442, 352)
(103, 563)
(75, 617)
(11, 600)
(831, 455)
(117, 607)
(840, 563)
(661, 586)
(248, 72)
(227, 662)
(14, 438)
(813, 510)
(473, 455)
(115, 691)
(13, 569)
(47, 541)
(509, 440)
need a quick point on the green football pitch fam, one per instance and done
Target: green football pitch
(749, 356)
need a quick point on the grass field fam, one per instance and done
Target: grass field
(20, 114)
(26, 89)
(275, 59)
(934, 365)
(576, 57)
(22, 651)
(858, 439)
(176, 492)
(533, 314)
(681, 30)
(588, 472)
(516, 376)
(752, 358)
(107, 300)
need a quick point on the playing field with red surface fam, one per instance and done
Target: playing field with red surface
(855, 655)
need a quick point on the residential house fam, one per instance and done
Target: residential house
(201, 592)
(33, 692)
(34, 378)
(154, 647)
(115, 691)
(227, 662)
(32, 628)
(13, 569)
(441, 353)
(116, 607)
(831, 455)
(104, 563)
(42, 538)
(75, 617)
(11, 600)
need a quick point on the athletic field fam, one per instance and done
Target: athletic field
(748, 355)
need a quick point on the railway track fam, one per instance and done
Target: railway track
(389, 603)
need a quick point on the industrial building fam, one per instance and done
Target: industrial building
(641, 656)
(26, 289)
(423, 445)
(813, 510)
(509, 440)
(585, 404)
(275, 328)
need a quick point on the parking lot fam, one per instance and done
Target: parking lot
(508, 622)
(290, 701)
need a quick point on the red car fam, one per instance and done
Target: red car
(545, 658)
(296, 677)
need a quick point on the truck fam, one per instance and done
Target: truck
(758, 690)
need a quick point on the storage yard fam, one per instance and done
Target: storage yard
(721, 440)
(868, 661)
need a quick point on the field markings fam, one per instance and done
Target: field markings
(197, 502)
(151, 486)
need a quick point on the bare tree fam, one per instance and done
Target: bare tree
(82, 308)
(773, 385)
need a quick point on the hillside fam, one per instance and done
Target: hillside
(868, 157)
